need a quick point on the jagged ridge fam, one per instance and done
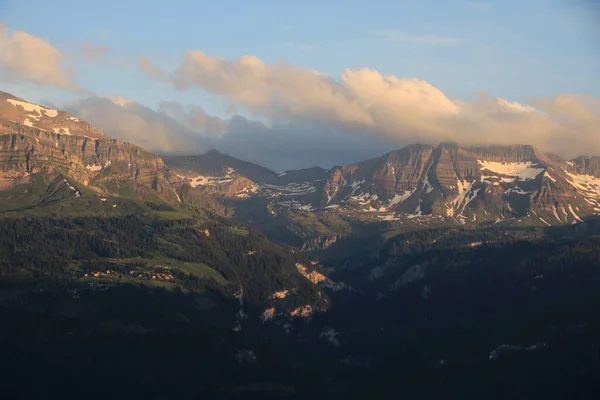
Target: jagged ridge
(464, 184)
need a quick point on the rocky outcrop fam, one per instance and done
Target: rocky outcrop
(313, 276)
(333, 185)
(319, 242)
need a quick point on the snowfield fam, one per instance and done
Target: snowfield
(399, 198)
(34, 108)
(202, 180)
(588, 184)
(292, 189)
(521, 171)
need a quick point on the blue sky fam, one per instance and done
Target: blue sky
(505, 48)
(487, 72)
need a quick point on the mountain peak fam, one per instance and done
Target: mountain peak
(19, 111)
(448, 145)
(217, 164)
(215, 152)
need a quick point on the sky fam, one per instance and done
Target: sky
(293, 84)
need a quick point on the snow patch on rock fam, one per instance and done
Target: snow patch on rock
(291, 189)
(399, 198)
(575, 216)
(466, 194)
(547, 175)
(34, 108)
(93, 167)
(202, 180)
(521, 170)
(589, 185)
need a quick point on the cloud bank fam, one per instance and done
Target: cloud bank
(194, 118)
(316, 119)
(132, 122)
(183, 129)
(27, 57)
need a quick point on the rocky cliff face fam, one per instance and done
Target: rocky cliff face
(587, 166)
(53, 147)
(470, 185)
(105, 165)
(395, 172)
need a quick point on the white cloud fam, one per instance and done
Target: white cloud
(193, 117)
(387, 107)
(27, 57)
(184, 129)
(121, 101)
(284, 93)
(315, 119)
(130, 121)
(278, 91)
(279, 147)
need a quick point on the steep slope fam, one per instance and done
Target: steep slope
(215, 163)
(216, 174)
(106, 166)
(302, 175)
(33, 115)
(586, 166)
(39, 166)
(99, 287)
(219, 174)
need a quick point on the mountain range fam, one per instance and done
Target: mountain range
(467, 185)
(423, 184)
(416, 186)
(438, 270)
